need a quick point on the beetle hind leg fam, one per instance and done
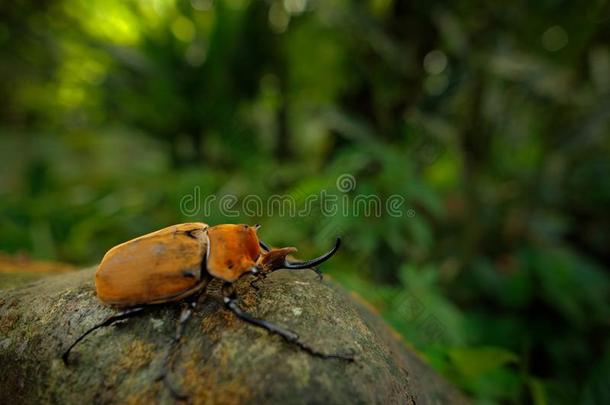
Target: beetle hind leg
(106, 322)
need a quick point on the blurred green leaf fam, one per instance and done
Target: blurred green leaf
(474, 361)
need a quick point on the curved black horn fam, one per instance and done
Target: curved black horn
(314, 262)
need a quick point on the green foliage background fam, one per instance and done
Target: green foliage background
(491, 120)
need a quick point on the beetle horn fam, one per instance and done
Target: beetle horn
(313, 262)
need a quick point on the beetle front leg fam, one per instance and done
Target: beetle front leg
(315, 270)
(230, 300)
(259, 278)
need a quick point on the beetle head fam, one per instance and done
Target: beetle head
(234, 250)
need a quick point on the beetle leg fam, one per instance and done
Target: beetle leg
(185, 314)
(315, 269)
(259, 277)
(230, 300)
(106, 322)
(318, 272)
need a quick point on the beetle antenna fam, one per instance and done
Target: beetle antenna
(313, 262)
(264, 246)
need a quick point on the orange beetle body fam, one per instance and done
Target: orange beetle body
(158, 267)
(174, 262)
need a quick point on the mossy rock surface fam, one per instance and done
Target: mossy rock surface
(221, 359)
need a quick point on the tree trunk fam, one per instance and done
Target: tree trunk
(221, 359)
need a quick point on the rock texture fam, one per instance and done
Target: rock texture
(221, 359)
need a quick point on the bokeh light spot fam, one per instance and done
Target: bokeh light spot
(554, 38)
(183, 29)
(295, 6)
(435, 62)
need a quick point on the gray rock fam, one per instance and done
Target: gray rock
(221, 359)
